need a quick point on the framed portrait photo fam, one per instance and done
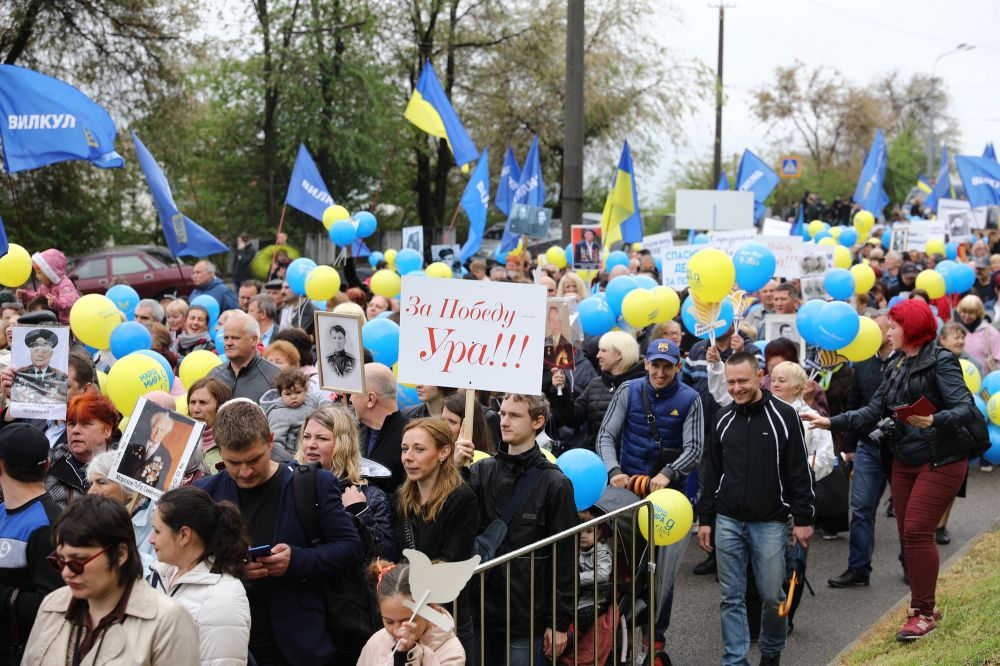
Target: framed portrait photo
(899, 240)
(559, 351)
(40, 358)
(587, 246)
(784, 326)
(340, 355)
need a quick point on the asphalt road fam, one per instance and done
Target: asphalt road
(830, 621)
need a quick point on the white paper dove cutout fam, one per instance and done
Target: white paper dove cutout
(436, 584)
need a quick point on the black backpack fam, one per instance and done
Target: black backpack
(352, 614)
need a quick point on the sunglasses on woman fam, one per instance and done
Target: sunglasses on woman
(57, 561)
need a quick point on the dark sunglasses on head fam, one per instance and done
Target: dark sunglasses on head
(57, 562)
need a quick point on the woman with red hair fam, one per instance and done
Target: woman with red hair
(91, 419)
(930, 454)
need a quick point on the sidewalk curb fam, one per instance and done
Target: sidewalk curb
(903, 602)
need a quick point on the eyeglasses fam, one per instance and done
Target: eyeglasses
(57, 561)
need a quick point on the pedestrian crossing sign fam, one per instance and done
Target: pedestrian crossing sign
(790, 166)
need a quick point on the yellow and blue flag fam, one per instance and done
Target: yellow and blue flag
(923, 185)
(621, 220)
(476, 202)
(430, 110)
(942, 186)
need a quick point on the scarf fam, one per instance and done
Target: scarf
(189, 340)
(974, 325)
(207, 438)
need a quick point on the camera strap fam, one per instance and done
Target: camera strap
(650, 416)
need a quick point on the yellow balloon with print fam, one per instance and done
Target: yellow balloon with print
(863, 222)
(711, 275)
(932, 282)
(385, 283)
(557, 256)
(936, 246)
(15, 266)
(334, 214)
(841, 257)
(132, 377)
(973, 379)
(993, 408)
(322, 283)
(866, 343)
(196, 365)
(815, 227)
(639, 308)
(668, 303)
(438, 270)
(864, 278)
(390, 258)
(92, 318)
(672, 517)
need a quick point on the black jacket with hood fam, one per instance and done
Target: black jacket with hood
(589, 407)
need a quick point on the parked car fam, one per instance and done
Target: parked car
(149, 269)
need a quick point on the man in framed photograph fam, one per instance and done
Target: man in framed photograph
(588, 250)
(340, 361)
(150, 461)
(40, 382)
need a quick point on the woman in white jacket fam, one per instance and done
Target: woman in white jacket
(202, 548)
(788, 382)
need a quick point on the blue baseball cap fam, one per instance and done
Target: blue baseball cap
(663, 349)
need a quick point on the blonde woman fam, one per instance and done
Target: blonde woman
(982, 342)
(329, 437)
(351, 308)
(788, 382)
(573, 285)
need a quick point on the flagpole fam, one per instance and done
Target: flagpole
(274, 253)
(13, 196)
(454, 218)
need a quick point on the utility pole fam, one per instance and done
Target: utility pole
(717, 155)
(572, 176)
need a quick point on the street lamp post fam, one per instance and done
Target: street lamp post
(931, 141)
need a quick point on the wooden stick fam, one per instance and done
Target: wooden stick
(470, 405)
(281, 222)
(416, 610)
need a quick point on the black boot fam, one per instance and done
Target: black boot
(850, 578)
(942, 536)
(770, 660)
(706, 567)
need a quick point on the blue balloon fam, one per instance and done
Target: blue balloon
(821, 235)
(848, 237)
(501, 257)
(887, 239)
(839, 283)
(992, 454)
(128, 337)
(569, 254)
(616, 290)
(945, 267)
(894, 300)
(836, 325)
(596, 316)
(297, 273)
(645, 282)
(805, 319)
(374, 258)
(700, 239)
(319, 306)
(659, 264)
(587, 473)
(755, 264)
(408, 260)
(367, 224)
(220, 343)
(990, 385)
(725, 317)
(210, 304)
(981, 406)
(342, 233)
(125, 299)
(419, 272)
(959, 279)
(158, 357)
(406, 396)
(385, 314)
(951, 250)
(616, 258)
(381, 338)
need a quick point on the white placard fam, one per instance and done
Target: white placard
(470, 334)
(948, 207)
(773, 227)
(675, 264)
(714, 210)
(788, 252)
(730, 241)
(817, 260)
(657, 243)
(922, 231)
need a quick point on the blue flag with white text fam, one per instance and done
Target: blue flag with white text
(942, 186)
(870, 191)
(306, 191)
(981, 177)
(476, 202)
(989, 152)
(45, 120)
(510, 176)
(756, 176)
(723, 182)
(184, 237)
(530, 190)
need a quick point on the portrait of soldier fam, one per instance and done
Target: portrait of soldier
(340, 361)
(148, 460)
(40, 382)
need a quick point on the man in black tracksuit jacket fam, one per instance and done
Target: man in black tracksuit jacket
(756, 476)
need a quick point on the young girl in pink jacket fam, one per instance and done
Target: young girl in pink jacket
(57, 289)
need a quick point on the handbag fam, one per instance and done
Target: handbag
(488, 543)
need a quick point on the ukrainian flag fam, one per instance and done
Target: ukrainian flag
(430, 110)
(621, 220)
(923, 185)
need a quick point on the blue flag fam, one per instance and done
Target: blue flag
(870, 193)
(430, 109)
(942, 186)
(981, 177)
(45, 120)
(989, 152)
(530, 190)
(184, 237)
(510, 176)
(756, 176)
(4, 245)
(476, 202)
(723, 182)
(306, 191)
(799, 228)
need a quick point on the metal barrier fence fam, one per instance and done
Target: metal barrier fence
(630, 582)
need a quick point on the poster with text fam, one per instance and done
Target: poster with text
(655, 244)
(773, 227)
(40, 358)
(730, 241)
(469, 334)
(788, 252)
(675, 264)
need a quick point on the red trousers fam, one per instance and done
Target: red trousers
(920, 495)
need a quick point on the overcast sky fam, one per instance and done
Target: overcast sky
(860, 38)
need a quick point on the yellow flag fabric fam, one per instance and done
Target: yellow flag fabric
(423, 115)
(617, 208)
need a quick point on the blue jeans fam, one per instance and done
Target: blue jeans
(867, 487)
(736, 543)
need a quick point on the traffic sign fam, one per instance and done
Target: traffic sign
(791, 166)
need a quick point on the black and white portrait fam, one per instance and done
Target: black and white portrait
(959, 226)
(340, 352)
(413, 238)
(899, 241)
(812, 287)
(784, 326)
(40, 356)
(530, 220)
(449, 256)
(814, 264)
(155, 449)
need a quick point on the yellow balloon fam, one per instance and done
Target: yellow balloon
(815, 227)
(993, 408)
(936, 246)
(863, 221)
(932, 282)
(672, 517)
(864, 278)
(182, 404)
(826, 240)
(557, 256)
(710, 274)
(102, 382)
(196, 365)
(334, 214)
(865, 344)
(973, 379)
(639, 308)
(385, 283)
(390, 258)
(835, 232)
(668, 303)
(841, 257)
(322, 283)
(132, 377)
(478, 455)
(15, 266)
(92, 319)
(438, 269)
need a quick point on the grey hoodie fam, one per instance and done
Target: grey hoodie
(286, 422)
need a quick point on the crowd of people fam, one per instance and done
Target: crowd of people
(284, 542)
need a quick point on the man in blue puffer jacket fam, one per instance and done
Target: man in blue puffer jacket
(206, 284)
(654, 427)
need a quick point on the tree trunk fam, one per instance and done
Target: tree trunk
(23, 33)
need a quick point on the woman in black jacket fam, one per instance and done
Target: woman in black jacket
(929, 453)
